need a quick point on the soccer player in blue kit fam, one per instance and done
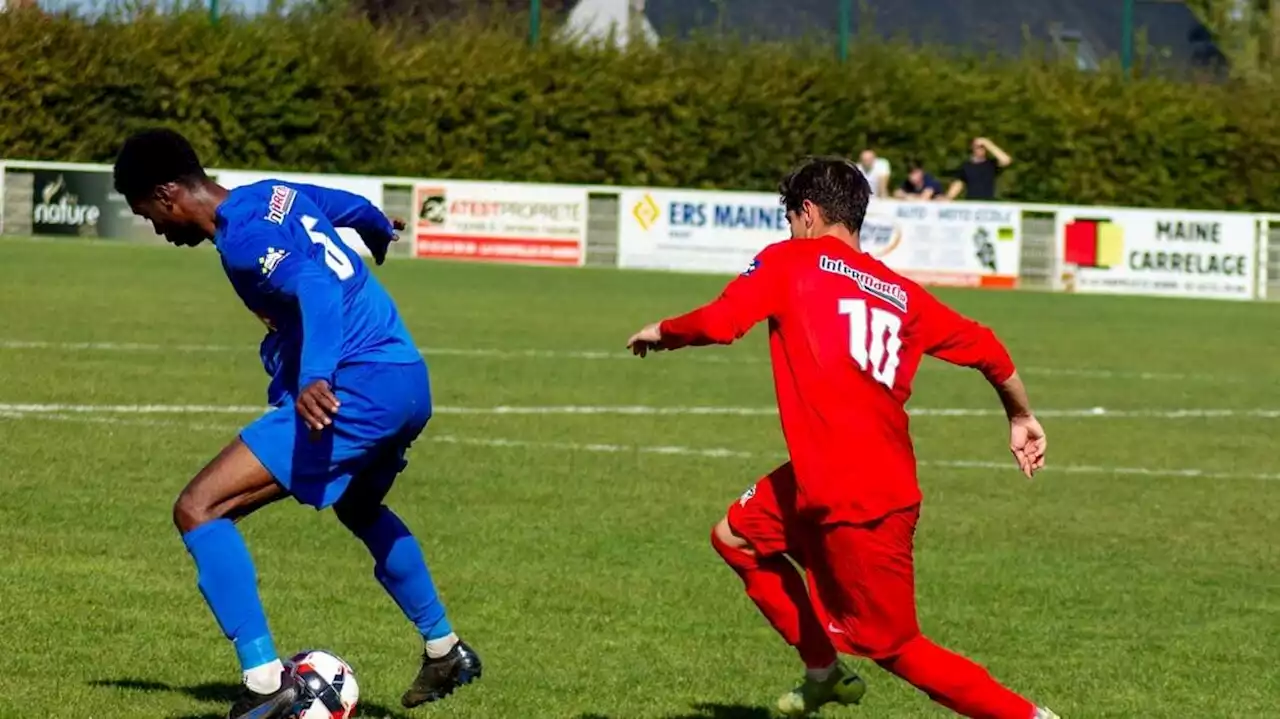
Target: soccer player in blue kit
(349, 393)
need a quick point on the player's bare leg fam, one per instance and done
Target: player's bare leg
(229, 488)
(447, 662)
(778, 590)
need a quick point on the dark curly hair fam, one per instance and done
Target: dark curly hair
(153, 158)
(834, 184)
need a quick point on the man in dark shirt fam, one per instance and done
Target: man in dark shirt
(919, 185)
(977, 176)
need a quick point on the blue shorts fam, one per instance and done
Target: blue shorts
(384, 409)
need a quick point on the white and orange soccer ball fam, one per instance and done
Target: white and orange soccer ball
(327, 686)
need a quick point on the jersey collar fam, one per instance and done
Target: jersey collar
(220, 224)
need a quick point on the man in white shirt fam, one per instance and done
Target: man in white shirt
(876, 170)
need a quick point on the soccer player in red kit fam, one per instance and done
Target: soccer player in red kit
(846, 336)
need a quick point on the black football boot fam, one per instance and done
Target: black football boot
(439, 677)
(252, 705)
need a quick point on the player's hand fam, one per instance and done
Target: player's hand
(1028, 443)
(378, 248)
(646, 340)
(317, 405)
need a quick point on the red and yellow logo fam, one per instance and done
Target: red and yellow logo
(1094, 243)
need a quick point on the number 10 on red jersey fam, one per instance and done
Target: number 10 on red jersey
(873, 339)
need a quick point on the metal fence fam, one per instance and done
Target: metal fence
(1087, 32)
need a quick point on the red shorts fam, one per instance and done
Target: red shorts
(861, 576)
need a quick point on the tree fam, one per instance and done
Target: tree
(1247, 31)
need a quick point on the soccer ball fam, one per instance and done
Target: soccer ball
(327, 686)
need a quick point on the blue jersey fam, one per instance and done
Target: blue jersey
(322, 306)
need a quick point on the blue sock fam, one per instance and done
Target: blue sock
(230, 586)
(402, 571)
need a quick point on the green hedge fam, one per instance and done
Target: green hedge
(327, 93)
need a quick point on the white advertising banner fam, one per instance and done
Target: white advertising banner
(935, 243)
(367, 187)
(1157, 252)
(501, 222)
(696, 230)
(968, 244)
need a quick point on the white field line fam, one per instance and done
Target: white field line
(428, 351)
(710, 453)
(646, 410)
(116, 420)
(589, 355)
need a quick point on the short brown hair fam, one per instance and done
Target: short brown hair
(834, 184)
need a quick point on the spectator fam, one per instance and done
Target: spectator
(876, 170)
(919, 185)
(977, 176)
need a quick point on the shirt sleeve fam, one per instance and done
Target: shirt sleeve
(346, 209)
(954, 338)
(755, 295)
(274, 362)
(316, 291)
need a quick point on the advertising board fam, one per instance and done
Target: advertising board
(696, 230)
(1157, 252)
(500, 222)
(968, 244)
(82, 203)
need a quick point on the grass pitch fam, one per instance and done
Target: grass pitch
(1137, 578)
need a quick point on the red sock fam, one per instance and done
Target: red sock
(778, 590)
(956, 683)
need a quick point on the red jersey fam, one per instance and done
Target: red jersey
(846, 336)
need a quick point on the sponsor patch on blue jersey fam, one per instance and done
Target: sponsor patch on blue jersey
(280, 203)
(271, 260)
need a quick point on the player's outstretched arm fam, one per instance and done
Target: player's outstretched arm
(646, 340)
(1027, 440)
(718, 323)
(752, 297)
(958, 340)
(346, 209)
(954, 338)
